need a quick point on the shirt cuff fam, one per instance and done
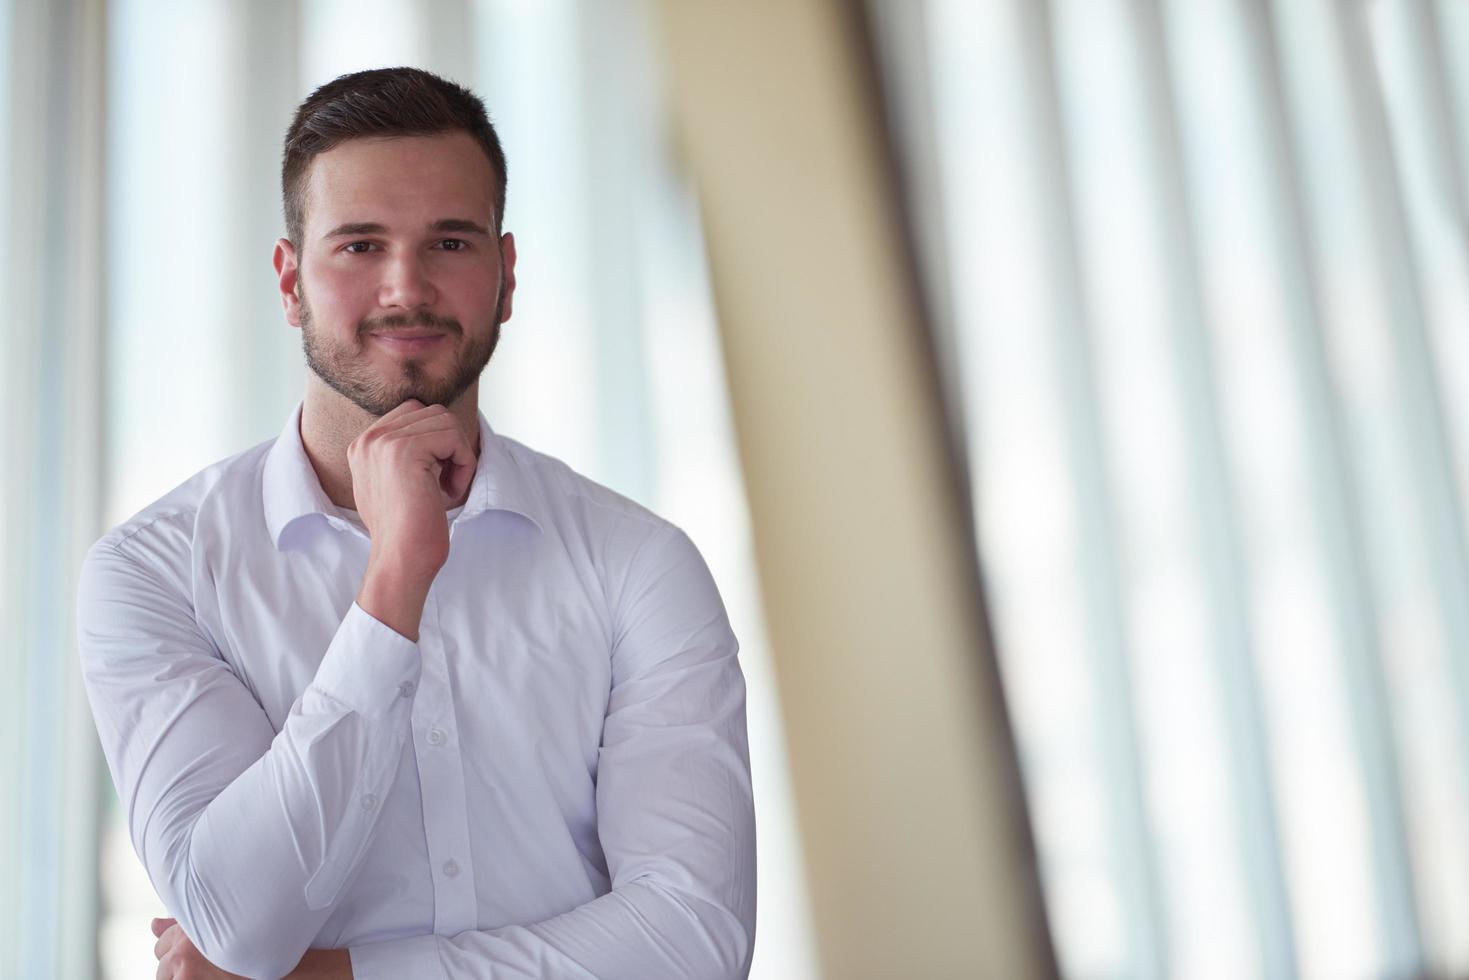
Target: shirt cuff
(369, 665)
(416, 956)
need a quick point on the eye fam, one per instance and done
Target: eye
(458, 244)
(352, 247)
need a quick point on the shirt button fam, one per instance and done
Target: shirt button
(405, 689)
(369, 801)
(451, 868)
(436, 737)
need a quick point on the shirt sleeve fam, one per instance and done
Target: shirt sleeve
(675, 812)
(247, 834)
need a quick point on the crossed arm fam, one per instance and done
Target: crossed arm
(212, 815)
(179, 959)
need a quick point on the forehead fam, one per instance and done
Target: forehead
(402, 180)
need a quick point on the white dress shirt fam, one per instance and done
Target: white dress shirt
(554, 781)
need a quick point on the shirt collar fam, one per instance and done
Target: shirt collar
(291, 490)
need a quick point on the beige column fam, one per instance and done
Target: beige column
(918, 859)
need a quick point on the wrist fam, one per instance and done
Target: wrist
(395, 595)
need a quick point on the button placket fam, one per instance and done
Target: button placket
(441, 781)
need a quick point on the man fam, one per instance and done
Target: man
(393, 695)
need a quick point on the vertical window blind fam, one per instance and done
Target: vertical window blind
(1205, 281)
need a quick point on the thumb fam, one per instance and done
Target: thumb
(463, 477)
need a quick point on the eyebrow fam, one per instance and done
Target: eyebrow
(462, 225)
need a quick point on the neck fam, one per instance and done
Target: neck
(329, 423)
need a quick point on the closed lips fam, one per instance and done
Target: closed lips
(408, 343)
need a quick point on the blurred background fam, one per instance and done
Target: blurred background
(1071, 398)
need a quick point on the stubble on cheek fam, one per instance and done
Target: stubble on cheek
(377, 388)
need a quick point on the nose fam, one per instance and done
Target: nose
(405, 284)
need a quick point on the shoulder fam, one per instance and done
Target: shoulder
(162, 534)
(645, 561)
(636, 552)
(564, 495)
(135, 589)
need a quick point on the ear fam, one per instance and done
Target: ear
(288, 274)
(507, 269)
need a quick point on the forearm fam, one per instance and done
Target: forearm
(219, 798)
(639, 931)
(300, 817)
(393, 594)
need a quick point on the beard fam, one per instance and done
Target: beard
(346, 369)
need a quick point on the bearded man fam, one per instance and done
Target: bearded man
(393, 695)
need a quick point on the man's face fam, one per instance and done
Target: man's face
(400, 284)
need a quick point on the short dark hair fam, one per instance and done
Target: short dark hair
(381, 102)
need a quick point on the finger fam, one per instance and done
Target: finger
(168, 940)
(456, 451)
(455, 462)
(408, 411)
(393, 421)
(451, 461)
(428, 442)
(444, 442)
(423, 422)
(160, 924)
(402, 408)
(459, 480)
(460, 477)
(452, 480)
(391, 418)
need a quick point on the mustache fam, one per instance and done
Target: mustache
(422, 318)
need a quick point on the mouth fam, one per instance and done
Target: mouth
(408, 343)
